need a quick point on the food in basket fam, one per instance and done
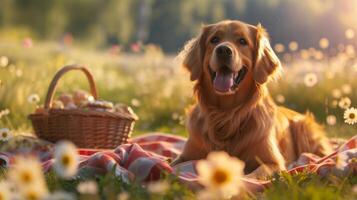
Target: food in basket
(57, 104)
(81, 96)
(66, 99)
(98, 104)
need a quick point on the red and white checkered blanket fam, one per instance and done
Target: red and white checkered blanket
(146, 157)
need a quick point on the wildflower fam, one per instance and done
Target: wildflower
(5, 134)
(66, 159)
(280, 98)
(350, 34)
(123, 196)
(5, 192)
(27, 176)
(4, 61)
(33, 193)
(220, 174)
(33, 99)
(293, 46)
(331, 120)
(346, 88)
(336, 93)
(310, 79)
(87, 187)
(279, 48)
(344, 103)
(324, 43)
(158, 187)
(350, 116)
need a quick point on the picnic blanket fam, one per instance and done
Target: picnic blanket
(144, 159)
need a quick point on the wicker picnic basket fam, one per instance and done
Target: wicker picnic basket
(85, 127)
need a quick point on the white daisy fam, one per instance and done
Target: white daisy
(28, 178)
(344, 103)
(310, 79)
(5, 134)
(33, 99)
(220, 174)
(350, 116)
(66, 159)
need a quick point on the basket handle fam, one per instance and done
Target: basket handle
(60, 73)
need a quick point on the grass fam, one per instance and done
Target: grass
(159, 91)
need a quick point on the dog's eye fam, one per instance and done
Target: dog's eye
(214, 40)
(242, 41)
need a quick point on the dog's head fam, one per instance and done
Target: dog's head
(229, 54)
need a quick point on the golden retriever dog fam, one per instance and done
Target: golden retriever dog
(231, 63)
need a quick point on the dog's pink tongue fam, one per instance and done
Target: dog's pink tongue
(223, 81)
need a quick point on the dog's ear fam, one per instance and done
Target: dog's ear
(193, 54)
(267, 64)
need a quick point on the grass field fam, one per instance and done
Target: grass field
(318, 80)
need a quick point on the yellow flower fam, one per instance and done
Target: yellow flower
(66, 159)
(28, 178)
(331, 120)
(310, 79)
(220, 174)
(350, 116)
(5, 134)
(158, 187)
(344, 103)
(324, 43)
(33, 99)
(5, 192)
(87, 187)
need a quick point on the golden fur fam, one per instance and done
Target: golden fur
(246, 122)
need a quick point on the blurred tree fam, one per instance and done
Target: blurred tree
(171, 23)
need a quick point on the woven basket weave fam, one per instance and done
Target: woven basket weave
(85, 127)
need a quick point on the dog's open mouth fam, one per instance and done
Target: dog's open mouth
(227, 81)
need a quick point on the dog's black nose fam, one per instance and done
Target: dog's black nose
(224, 52)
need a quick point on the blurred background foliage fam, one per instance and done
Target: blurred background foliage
(169, 24)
